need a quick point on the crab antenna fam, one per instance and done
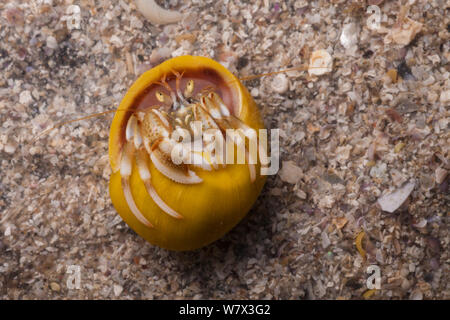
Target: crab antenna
(60, 124)
(245, 78)
(300, 68)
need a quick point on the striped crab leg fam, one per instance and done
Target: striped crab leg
(177, 86)
(144, 173)
(222, 116)
(134, 146)
(234, 121)
(207, 158)
(125, 172)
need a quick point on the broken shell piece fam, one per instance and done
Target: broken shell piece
(320, 63)
(404, 33)
(155, 14)
(421, 224)
(392, 201)
(349, 36)
(440, 175)
(325, 240)
(445, 96)
(290, 173)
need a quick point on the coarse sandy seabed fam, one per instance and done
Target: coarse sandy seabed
(377, 123)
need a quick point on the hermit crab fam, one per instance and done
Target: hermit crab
(178, 176)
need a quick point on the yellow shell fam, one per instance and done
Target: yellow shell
(210, 208)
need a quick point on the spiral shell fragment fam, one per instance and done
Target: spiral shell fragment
(155, 14)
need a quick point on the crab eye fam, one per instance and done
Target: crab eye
(160, 96)
(189, 88)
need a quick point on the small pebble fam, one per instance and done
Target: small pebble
(25, 97)
(280, 83)
(398, 147)
(416, 295)
(445, 96)
(301, 194)
(55, 287)
(51, 42)
(10, 148)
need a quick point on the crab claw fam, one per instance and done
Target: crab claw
(173, 172)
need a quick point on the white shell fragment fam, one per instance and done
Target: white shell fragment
(392, 201)
(118, 290)
(51, 42)
(155, 14)
(404, 33)
(73, 17)
(280, 83)
(421, 224)
(325, 240)
(25, 97)
(320, 63)
(349, 37)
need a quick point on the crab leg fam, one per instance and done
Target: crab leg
(212, 129)
(177, 86)
(217, 109)
(218, 103)
(134, 145)
(125, 172)
(173, 173)
(144, 173)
